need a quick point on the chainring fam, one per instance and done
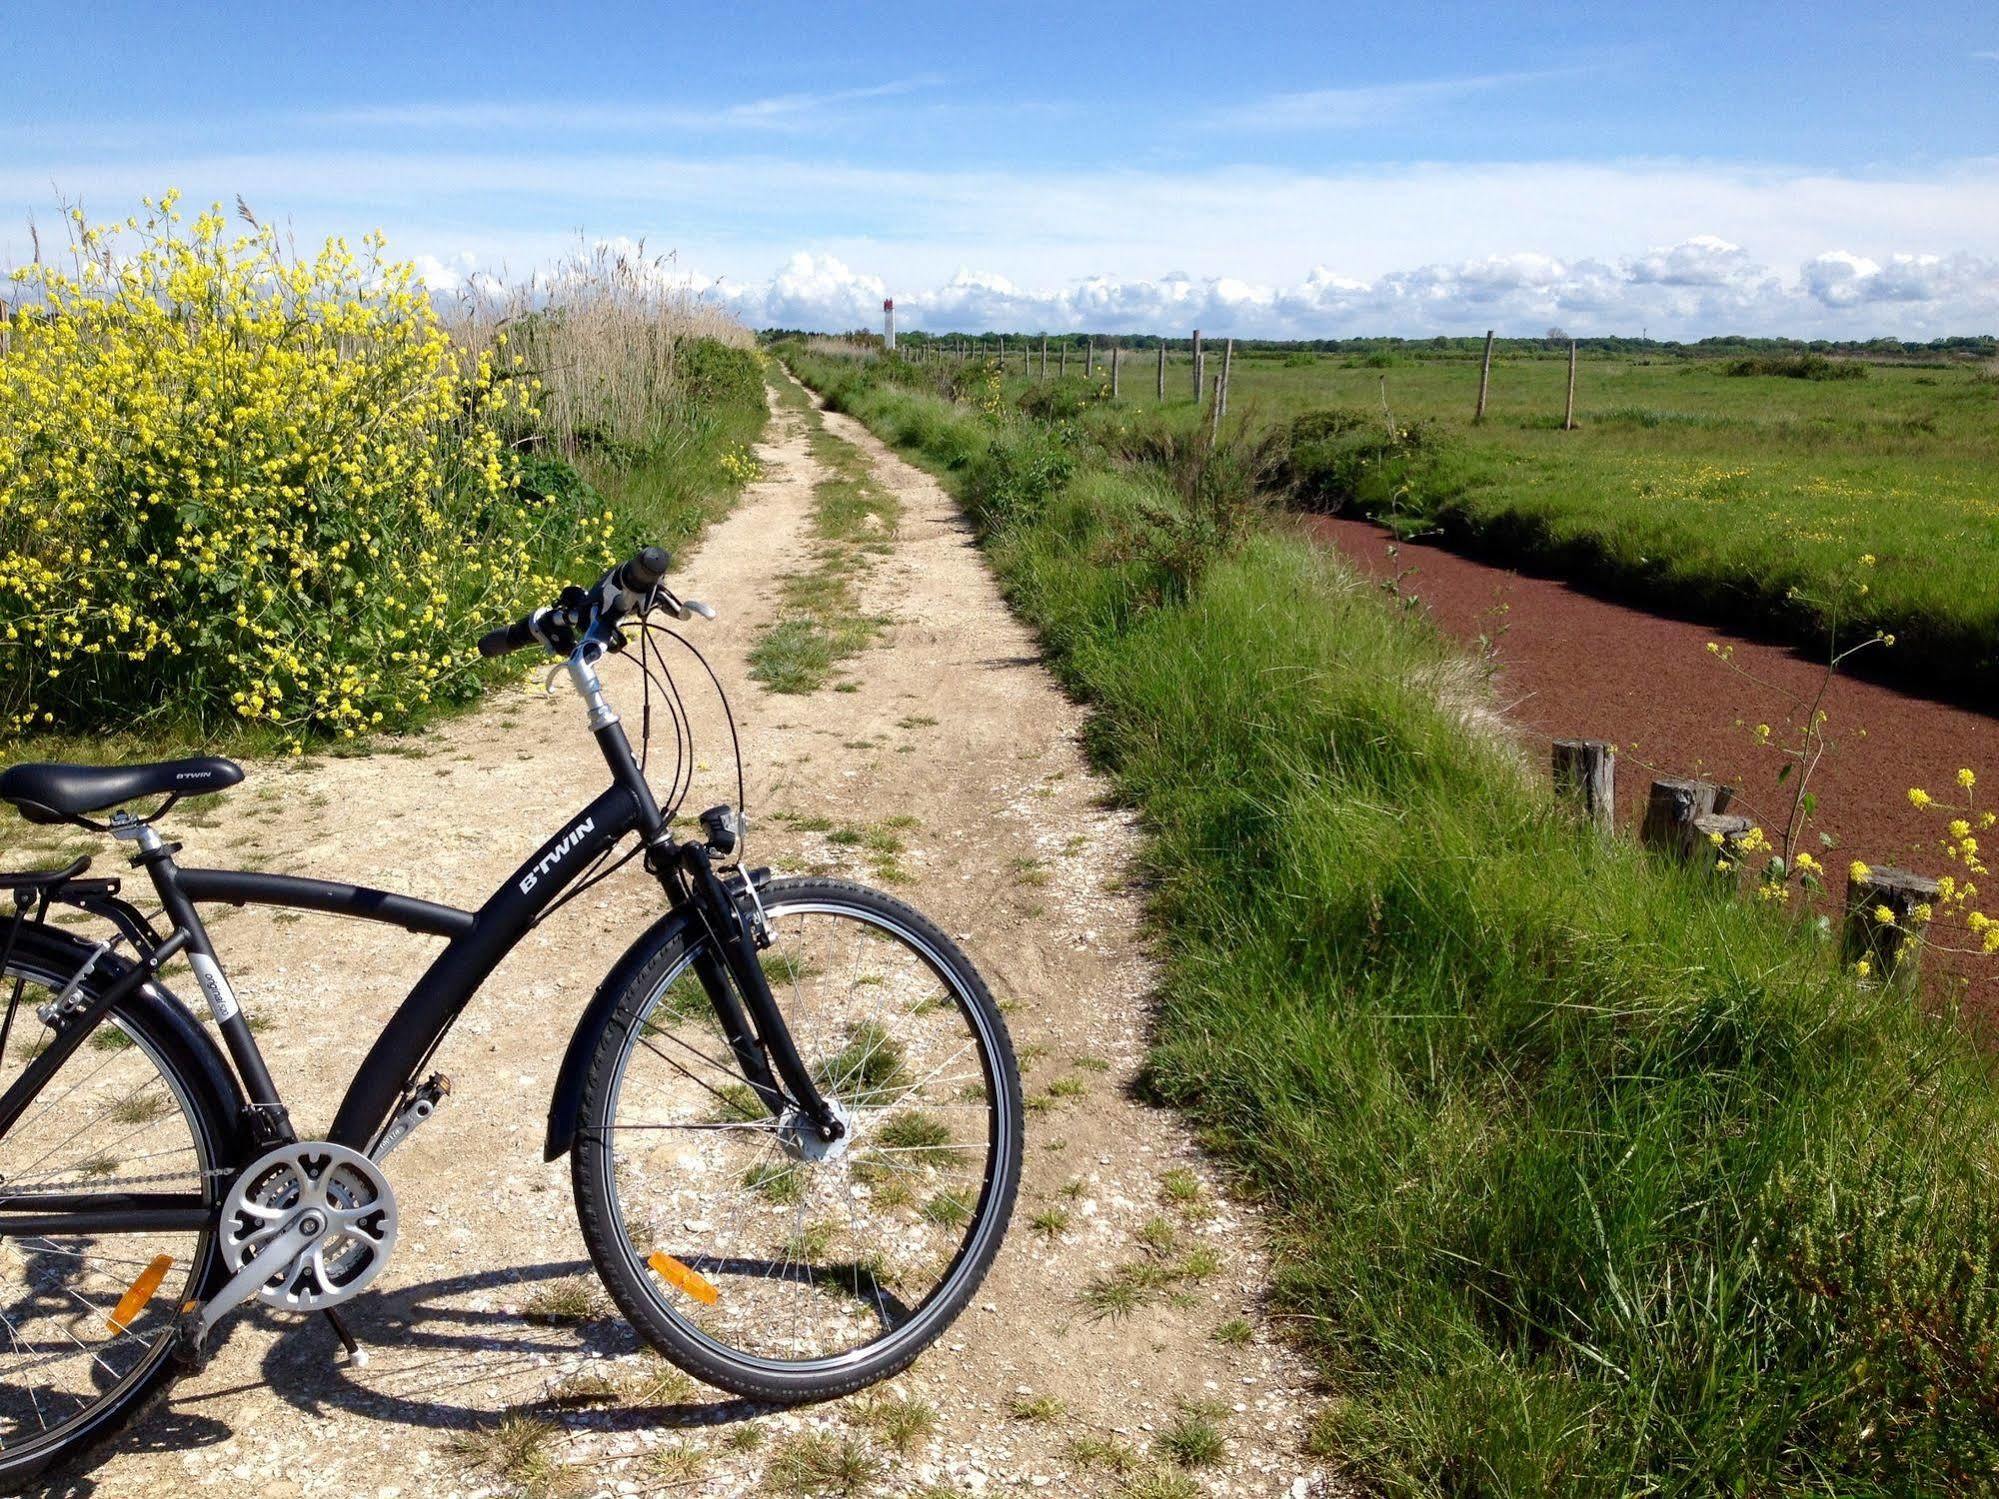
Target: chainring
(345, 1189)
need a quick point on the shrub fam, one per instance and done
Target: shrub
(1061, 400)
(713, 373)
(1341, 456)
(1798, 367)
(238, 482)
(1023, 466)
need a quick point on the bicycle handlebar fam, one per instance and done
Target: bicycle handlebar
(619, 591)
(509, 638)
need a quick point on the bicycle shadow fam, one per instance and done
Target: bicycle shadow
(434, 1343)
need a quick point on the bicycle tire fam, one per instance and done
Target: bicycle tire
(48, 958)
(626, 1276)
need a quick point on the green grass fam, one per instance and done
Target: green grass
(813, 1464)
(1586, 1177)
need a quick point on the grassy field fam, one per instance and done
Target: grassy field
(1588, 1177)
(1743, 498)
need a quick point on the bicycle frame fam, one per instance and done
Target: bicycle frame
(478, 941)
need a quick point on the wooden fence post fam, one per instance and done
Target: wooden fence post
(1162, 372)
(1569, 414)
(1044, 356)
(1722, 833)
(1586, 774)
(1117, 351)
(1671, 808)
(1484, 378)
(1886, 944)
(1062, 370)
(1228, 360)
(1197, 366)
(1215, 415)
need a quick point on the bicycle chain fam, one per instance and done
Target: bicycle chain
(51, 1189)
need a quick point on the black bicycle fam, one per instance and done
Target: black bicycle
(791, 1108)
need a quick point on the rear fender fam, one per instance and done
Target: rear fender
(567, 1101)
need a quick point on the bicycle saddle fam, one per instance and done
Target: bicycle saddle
(51, 792)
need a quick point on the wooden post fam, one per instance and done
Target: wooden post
(1162, 372)
(1215, 417)
(1089, 359)
(1885, 945)
(1586, 774)
(1002, 353)
(1484, 378)
(1670, 810)
(1720, 835)
(1044, 356)
(1197, 366)
(1064, 370)
(1569, 415)
(1228, 360)
(1116, 351)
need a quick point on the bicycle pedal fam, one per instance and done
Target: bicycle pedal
(190, 1349)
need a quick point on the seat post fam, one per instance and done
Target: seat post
(156, 857)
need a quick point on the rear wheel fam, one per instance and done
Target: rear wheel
(87, 1318)
(756, 1258)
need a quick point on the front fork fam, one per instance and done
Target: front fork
(733, 975)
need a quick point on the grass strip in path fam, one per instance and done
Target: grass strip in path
(820, 623)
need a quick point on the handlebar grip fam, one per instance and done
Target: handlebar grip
(516, 636)
(647, 566)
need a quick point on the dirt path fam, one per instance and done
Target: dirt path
(1571, 665)
(949, 720)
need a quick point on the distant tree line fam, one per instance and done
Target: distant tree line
(1443, 346)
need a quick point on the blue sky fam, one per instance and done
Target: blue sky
(1260, 168)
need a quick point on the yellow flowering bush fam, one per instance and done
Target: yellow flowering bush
(237, 481)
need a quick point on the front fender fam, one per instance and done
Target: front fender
(567, 1100)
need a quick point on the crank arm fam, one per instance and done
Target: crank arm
(198, 1322)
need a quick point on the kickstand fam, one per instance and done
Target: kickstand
(356, 1354)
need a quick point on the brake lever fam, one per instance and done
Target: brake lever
(684, 609)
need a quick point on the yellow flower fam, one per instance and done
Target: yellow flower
(1862, 967)
(1885, 915)
(1966, 779)
(1918, 797)
(1858, 870)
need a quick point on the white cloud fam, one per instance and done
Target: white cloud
(797, 111)
(1702, 285)
(1359, 107)
(1684, 248)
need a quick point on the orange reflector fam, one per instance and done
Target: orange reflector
(142, 1292)
(676, 1274)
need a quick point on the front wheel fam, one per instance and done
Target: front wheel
(753, 1256)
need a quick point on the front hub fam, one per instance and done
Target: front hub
(799, 1138)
